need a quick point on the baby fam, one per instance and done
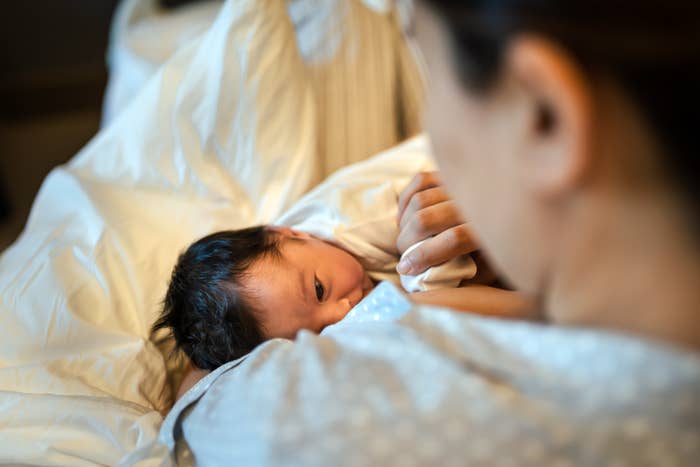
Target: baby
(232, 290)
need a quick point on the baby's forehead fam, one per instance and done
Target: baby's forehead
(274, 285)
(293, 249)
(280, 263)
(280, 270)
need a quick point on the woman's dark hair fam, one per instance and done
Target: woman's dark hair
(651, 48)
(206, 308)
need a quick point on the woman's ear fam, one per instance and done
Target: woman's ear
(287, 232)
(559, 100)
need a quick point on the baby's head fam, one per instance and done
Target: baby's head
(232, 290)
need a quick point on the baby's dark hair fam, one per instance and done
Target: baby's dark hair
(206, 308)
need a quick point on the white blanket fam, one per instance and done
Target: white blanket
(392, 385)
(223, 135)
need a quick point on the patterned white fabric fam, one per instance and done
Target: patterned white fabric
(395, 385)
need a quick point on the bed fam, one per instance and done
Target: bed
(234, 121)
(244, 107)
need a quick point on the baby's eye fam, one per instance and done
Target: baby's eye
(320, 291)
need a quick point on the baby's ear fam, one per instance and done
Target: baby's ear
(287, 232)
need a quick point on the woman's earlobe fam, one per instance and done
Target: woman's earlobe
(558, 155)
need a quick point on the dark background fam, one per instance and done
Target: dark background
(52, 78)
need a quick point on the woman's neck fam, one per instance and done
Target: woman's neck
(632, 270)
(627, 260)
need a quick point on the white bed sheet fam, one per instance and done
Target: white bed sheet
(223, 135)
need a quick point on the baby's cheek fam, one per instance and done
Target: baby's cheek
(343, 308)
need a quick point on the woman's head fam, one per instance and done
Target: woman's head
(232, 290)
(544, 111)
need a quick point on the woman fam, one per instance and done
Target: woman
(563, 130)
(572, 147)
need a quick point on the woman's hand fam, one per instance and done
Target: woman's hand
(427, 213)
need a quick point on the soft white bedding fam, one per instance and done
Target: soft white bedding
(395, 385)
(366, 87)
(223, 135)
(81, 384)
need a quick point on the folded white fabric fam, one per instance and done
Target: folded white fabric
(356, 208)
(448, 274)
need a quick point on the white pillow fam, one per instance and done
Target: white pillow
(143, 36)
(366, 87)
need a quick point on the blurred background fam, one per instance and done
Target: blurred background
(52, 79)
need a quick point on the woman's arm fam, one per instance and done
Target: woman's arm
(480, 299)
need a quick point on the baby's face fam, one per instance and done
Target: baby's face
(313, 285)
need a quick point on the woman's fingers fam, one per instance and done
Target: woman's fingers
(420, 182)
(427, 222)
(445, 246)
(426, 212)
(421, 200)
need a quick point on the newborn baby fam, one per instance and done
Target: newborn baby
(232, 290)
